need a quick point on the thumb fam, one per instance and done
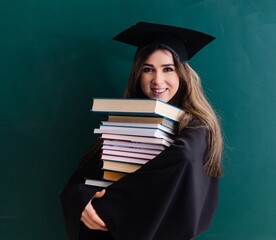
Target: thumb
(99, 194)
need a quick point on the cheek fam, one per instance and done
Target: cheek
(143, 83)
(175, 84)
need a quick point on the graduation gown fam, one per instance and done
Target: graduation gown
(170, 197)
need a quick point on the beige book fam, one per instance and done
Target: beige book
(145, 107)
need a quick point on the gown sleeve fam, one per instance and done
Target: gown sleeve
(76, 194)
(170, 197)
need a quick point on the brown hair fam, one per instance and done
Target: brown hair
(189, 97)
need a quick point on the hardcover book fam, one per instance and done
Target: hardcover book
(130, 106)
(139, 125)
(98, 183)
(135, 145)
(131, 149)
(140, 119)
(120, 166)
(150, 140)
(146, 132)
(124, 159)
(113, 176)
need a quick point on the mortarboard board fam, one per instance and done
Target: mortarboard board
(183, 42)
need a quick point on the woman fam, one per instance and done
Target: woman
(173, 196)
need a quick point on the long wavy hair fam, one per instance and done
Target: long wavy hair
(191, 99)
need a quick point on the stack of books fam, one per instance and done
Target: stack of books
(136, 131)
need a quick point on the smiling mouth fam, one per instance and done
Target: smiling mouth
(158, 90)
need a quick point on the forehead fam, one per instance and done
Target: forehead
(160, 56)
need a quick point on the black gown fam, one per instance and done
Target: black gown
(168, 198)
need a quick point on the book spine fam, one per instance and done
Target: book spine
(124, 159)
(131, 149)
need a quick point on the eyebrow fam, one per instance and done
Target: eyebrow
(163, 65)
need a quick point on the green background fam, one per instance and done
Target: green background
(55, 56)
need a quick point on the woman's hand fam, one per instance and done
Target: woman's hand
(90, 217)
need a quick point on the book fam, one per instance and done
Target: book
(147, 132)
(151, 140)
(124, 159)
(120, 167)
(138, 145)
(113, 176)
(108, 178)
(131, 149)
(137, 130)
(128, 154)
(140, 119)
(98, 183)
(129, 106)
(140, 125)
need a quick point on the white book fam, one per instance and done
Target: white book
(138, 145)
(128, 154)
(140, 125)
(124, 159)
(151, 140)
(142, 119)
(131, 149)
(97, 183)
(146, 132)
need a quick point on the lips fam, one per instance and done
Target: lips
(158, 90)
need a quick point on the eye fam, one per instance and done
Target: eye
(147, 69)
(168, 69)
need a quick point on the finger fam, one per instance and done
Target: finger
(91, 215)
(92, 225)
(98, 220)
(86, 222)
(94, 217)
(99, 194)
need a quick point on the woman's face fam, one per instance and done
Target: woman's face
(159, 79)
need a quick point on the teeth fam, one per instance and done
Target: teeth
(159, 90)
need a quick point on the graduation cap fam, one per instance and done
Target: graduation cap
(183, 42)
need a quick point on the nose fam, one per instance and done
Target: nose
(158, 78)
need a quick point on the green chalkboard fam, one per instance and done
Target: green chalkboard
(55, 56)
